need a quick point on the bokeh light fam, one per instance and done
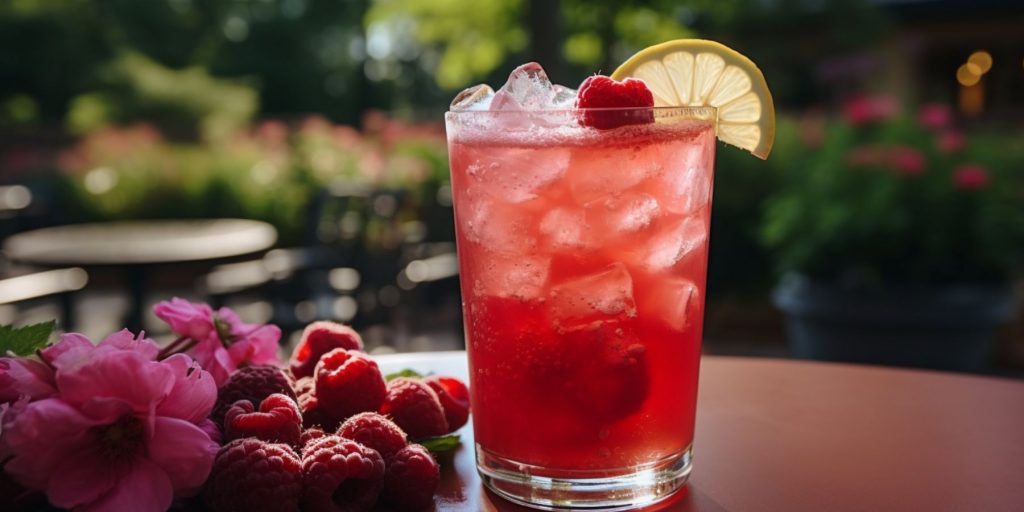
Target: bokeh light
(982, 60)
(966, 76)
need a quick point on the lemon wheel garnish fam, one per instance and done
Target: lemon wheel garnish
(697, 72)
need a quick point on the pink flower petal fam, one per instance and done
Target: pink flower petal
(22, 377)
(69, 341)
(253, 343)
(265, 345)
(241, 353)
(194, 320)
(41, 436)
(193, 394)
(112, 379)
(125, 340)
(184, 452)
(145, 488)
(214, 358)
(211, 430)
(8, 384)
(81, 478)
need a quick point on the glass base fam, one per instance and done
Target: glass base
(621, 489)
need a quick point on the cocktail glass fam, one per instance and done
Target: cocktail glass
(583, 260)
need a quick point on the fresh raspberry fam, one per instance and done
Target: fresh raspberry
(415, 408)
(304, 386)
(340, 475)
(277, 421)
(347, 383)
(611, 369)
(411, 479)
(250, 475)
(252, 383)
(308, 436)
(313, 415)
(454, 397)
(318, 339)
(600, 91)
(374, 431)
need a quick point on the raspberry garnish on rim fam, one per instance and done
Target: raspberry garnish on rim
(600, 91)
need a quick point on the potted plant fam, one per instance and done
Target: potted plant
(897, 239)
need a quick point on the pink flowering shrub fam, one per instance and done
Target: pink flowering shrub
(219, 340)
(270, 171)
(893, 195)
(107, 426)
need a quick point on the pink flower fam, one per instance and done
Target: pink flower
(187, 319)
(907, 160)
(122, 434)
(22, 377)
(272, 132)
(951, 141)
(223, 342)
(935, 116)
(971, 177)
(861, 110)
(74, 348)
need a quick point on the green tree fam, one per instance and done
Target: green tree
(473, 37)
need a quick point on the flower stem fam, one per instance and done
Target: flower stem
(172, 348)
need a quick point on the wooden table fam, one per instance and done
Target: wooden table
(138, 246)
(777, 435)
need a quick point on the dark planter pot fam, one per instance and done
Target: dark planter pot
(943, 328)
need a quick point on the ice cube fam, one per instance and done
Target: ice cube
(519, 174)
(497, 225)
(675, 301)
(684, 185)
(527, 88)
(566, 228)
(511, 276)
(686, 190)
(564, 98)
(478, 97)
(599, 172)
(626, 213)
(671, 242)
(598, 297)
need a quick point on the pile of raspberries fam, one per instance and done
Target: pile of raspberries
(329, 434)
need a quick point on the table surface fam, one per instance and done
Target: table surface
(778, 435)
(140, 242)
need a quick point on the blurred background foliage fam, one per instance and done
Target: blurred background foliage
(162, 108)
(216, 64)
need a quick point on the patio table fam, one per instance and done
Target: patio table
(778, 435)
(136, 247)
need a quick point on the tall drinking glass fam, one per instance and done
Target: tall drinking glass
(583, 259)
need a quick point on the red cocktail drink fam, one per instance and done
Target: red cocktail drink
(583, 256)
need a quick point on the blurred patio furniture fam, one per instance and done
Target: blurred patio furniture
(305, 282)
(806, 436)
(430, 300)
(14, 198)
(368, 259)
(17, 286)
(136, 248)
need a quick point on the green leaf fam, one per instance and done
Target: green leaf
(408, 373)
(24, 341)
(441, 444)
